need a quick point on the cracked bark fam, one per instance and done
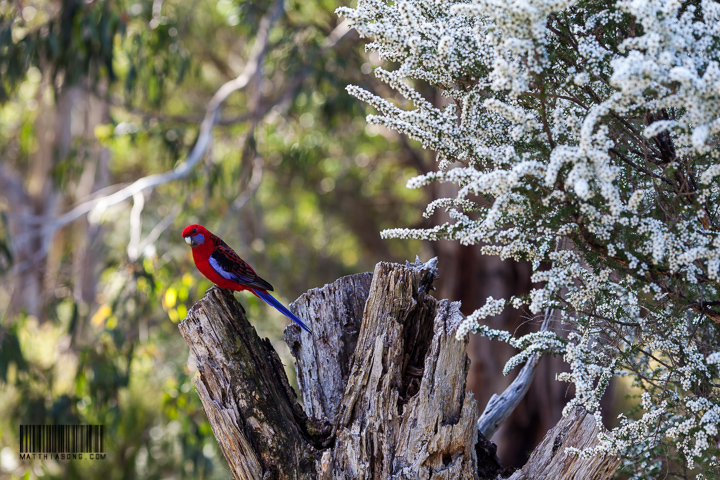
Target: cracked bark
(382, 378)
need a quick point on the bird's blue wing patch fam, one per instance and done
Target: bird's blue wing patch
(217, 265)
(228, 264)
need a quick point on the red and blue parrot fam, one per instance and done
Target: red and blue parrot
(222, 266)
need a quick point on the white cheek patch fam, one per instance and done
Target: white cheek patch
(216, 266)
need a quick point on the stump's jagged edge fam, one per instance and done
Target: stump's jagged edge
(252, 409)
(397, 405)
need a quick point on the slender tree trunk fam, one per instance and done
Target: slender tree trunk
(382, 379)
(54, 140)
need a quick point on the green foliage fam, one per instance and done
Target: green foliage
(76, 44)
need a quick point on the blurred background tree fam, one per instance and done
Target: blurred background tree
(96, 95)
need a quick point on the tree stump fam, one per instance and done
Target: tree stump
(382, 378)
(261, 429)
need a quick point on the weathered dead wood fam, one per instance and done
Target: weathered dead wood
(500, 407)
(322, 360)
(246, 396)
(397, 399)
(549, 459)
(382, 379)
(405, 413)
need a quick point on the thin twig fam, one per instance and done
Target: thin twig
(158, 229)
(133, 248)
(252, 186)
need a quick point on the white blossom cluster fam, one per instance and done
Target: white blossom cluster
(584, 136)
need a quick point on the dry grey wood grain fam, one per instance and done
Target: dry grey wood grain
(322, 360)
(549, 460)
(405, 413)
(254, 414)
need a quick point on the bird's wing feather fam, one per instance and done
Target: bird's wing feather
(228, 264)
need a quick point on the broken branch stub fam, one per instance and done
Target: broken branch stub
(252, 409)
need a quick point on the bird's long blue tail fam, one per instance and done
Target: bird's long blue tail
(270, 300)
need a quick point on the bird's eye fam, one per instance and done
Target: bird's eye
(194, 231)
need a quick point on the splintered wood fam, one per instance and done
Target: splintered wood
(395, 403)
(246, 396)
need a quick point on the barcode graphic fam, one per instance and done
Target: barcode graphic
(62, 438)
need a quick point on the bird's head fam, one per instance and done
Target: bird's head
(195, 235)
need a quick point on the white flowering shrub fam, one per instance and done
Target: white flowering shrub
(583, 135)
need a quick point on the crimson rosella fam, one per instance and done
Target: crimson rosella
(222, 266)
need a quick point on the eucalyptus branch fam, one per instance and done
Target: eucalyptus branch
(101, 201)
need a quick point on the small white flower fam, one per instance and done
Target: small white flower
(581, 78)
(582, 188)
